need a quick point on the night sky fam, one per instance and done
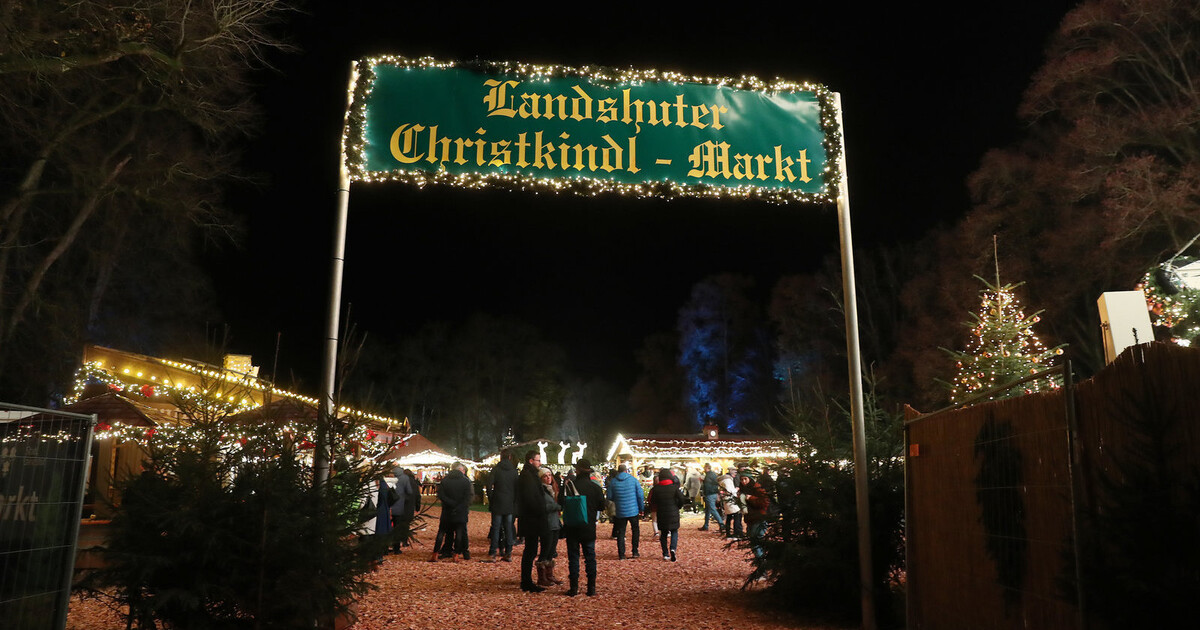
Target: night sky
(925, 94)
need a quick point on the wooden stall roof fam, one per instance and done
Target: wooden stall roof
(416, 450)
(112, 407)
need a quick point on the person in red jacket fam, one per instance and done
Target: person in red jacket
(758, 504)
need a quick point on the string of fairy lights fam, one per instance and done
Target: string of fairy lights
(229, 398)
(1174, 310)
(691, 449)
(354, 136)
(684, 449)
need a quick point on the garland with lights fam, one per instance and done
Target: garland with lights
(372, 443)
(1001, 348)
(1172, 305)
(94, 372)
(354, 136)
(658, 448)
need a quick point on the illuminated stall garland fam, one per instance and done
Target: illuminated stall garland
(1175, 311)
(663, 450)
(27, 433)
(96, 372)
(354, 142)
(178, 436)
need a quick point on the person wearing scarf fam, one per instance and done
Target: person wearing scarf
(666, 497)
(545, 563)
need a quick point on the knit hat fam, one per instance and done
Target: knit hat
(746, 472)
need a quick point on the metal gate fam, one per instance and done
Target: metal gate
(43, 470)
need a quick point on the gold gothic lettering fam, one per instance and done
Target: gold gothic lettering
(712, 159)
(411, 143)
(579, 105)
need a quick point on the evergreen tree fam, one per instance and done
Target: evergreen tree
(1002, 347)
(724, 355)
(810, 559)
(1174, 305)
(225, 529)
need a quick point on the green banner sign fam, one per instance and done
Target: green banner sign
(591, 130)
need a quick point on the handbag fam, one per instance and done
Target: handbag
(574, 505)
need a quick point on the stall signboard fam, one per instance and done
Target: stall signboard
(590, 130)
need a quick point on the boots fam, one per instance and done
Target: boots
(574, 590)
(550, 572)
(543, 569)
(591, 585)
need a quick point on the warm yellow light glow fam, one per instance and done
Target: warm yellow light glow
(354, 144)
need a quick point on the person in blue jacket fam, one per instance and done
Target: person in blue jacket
(626, 492)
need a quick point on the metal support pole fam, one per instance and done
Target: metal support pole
(854, 358)
(333, 316)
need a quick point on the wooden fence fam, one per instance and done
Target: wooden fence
(997, 492)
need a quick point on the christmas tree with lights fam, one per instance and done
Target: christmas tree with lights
(1174, 299)
(1002, 348)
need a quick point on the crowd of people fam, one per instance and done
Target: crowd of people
(535, 508)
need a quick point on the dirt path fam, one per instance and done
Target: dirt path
(699, 591)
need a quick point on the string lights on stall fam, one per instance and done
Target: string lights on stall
(228, 399)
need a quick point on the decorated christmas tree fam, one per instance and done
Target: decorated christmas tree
(1002, 348)
(1173, 297)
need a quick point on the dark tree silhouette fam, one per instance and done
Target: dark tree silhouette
(119, 128)
(725, 355)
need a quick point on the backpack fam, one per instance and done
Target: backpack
(574, 505)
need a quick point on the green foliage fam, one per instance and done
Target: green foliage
(1002, 348)
(1174, 306)
(229, 532)
(811, 555)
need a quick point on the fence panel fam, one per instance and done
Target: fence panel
(43, 468)
(993, 518)
(989, 516)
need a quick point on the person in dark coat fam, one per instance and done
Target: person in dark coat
(532, 510)
(583, 537)
(400, 525)
(667, 498)
(710, 487)
(455, 492)
(414, 505)
(502, 503)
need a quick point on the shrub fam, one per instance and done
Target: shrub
(224, 529)
(810, 559)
